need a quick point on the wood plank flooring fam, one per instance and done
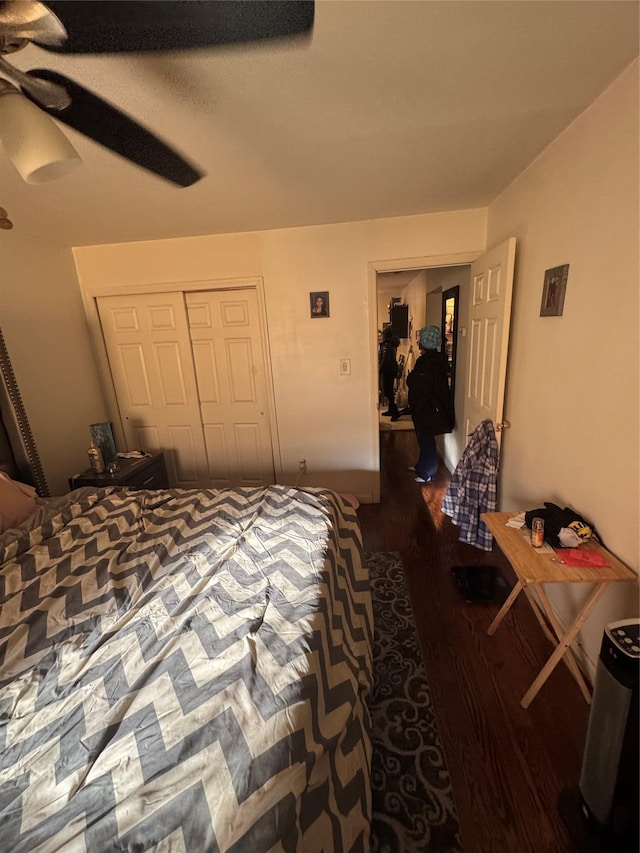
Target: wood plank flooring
(507, 765)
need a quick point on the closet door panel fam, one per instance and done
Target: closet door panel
(232, 385)
(240, 360)
(172, 381)
(149, 350)
(248, 444)
(134, 372)
(204, 357)
(214, 437)
(187, 463)
(147, 438)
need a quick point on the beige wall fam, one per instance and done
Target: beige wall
(47, 339)
(327, 419)
(572, 391)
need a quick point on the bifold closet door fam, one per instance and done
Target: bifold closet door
(190, 379)
(149, 351)
(227, 344)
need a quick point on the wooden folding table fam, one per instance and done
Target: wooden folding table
(533, 569)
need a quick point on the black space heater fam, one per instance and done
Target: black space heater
(602, 814)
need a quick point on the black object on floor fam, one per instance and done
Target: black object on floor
(480, 583)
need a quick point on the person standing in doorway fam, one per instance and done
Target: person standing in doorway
(388, 365)
(430, 401)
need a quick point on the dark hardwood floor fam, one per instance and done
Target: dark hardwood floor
(507, 765)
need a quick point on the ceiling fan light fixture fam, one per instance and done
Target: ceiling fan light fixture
(34, 143)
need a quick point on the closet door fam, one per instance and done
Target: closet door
(227, 344)
(149, 351)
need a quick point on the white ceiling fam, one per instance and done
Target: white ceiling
(392, 108)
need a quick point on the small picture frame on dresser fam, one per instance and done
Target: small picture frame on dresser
(102, 435)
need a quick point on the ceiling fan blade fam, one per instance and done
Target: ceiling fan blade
(113, 26)
(113, 129)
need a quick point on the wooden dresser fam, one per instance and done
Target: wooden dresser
(147, 473)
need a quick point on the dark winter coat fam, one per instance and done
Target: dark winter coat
(429, 396)
(387, 362)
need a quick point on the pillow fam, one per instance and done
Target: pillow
(17, 502)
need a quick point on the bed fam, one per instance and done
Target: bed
(185, 670)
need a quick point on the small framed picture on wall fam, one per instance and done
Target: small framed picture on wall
(319, 303)
(555, 285)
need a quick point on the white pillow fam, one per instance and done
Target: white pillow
(17, 502)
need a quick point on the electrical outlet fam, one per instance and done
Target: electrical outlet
(303, 466)
(345, 367)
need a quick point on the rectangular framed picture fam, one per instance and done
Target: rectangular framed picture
(319, 303)
(555, 285)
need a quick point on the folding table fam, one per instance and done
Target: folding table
(533, 569)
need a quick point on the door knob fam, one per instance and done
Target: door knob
(503, 425)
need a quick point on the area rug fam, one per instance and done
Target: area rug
(413, 807)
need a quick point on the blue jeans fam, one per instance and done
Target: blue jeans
(427, 464)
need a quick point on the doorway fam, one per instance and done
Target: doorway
(489, 275)
(427, 291)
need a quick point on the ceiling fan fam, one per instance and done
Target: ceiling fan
(119, 26)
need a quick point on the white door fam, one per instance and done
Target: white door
(228, 354)
(489, 320)
(149, 351)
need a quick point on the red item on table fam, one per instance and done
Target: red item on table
(576, 557)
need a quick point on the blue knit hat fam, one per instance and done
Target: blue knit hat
(430, 337)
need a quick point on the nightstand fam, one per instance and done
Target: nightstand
(147, 473)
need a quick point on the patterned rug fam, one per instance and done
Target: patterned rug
(413, 807)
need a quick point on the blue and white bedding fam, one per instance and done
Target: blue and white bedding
(185, 670)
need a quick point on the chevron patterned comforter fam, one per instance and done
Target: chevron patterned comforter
(186, 671)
